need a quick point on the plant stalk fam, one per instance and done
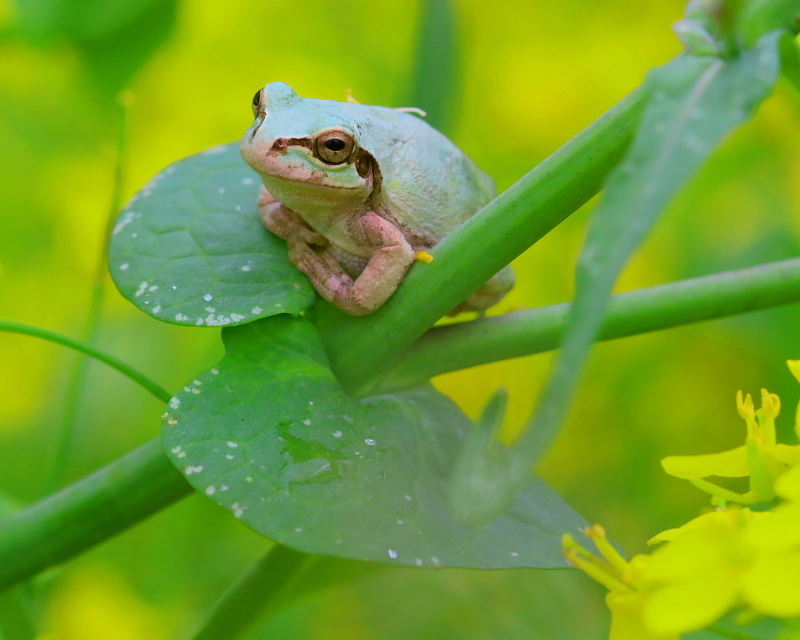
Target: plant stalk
(362, 348)
(87, 512)
(242, 605)
(469, 344)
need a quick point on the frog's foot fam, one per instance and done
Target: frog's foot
(285, 223)
(489, 294)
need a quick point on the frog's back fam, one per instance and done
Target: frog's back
(427, 183)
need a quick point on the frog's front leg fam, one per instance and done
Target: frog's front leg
(389, 261)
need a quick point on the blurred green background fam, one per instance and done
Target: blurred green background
(532, 74)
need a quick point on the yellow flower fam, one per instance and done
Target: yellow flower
(700, 573)
(762, 457)
(622, 578)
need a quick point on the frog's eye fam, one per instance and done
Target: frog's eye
(257, 102)
(334, 147)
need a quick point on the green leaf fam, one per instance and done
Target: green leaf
(480, 472)
(269, 435)
(190, 248)
(762, 16)
(114, 39)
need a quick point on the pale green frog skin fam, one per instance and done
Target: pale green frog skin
(357, 190)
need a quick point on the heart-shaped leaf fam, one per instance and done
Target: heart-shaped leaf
(190, 248)
(269, 435)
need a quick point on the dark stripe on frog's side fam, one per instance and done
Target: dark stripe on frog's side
(281, 145)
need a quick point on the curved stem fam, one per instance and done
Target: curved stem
(469, 344)
(51, 336)
(363, 348)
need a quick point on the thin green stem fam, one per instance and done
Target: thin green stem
(363, 348)
(437, 72)
(244, 603)
(728, 633)
(77, 379)
(468, 344)
(51, 336)
(87, 512)
(279, 578)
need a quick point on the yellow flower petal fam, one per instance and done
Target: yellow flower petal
(689, 605)
(785, 453)
(788, 485)
(671, 534)
(626, 623)
(772, 584)
(727, 464)
(775, 530)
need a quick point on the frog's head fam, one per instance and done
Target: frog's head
(306, 147)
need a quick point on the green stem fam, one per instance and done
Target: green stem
(279, 578)
(468, 344)
(437, 80)
(16, 622)
(728, 633)
(85, 513)
(243, 604)
(363, 348)
(77, 379)
(126, 370)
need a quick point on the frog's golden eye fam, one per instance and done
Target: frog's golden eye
(257, 102)
(334, 147)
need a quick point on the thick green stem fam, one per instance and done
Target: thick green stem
(363, 348)
(468, 344)
(242, 605)
(87, 512)
(126, 370)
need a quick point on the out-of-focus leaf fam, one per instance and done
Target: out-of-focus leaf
(113, 38)
(437, 68)
(790, 61)
(759, 17)
(694, 101)
(190, 248)
(113, 57)
(481, 465)
(269, 435)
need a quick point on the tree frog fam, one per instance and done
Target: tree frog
(359, 192)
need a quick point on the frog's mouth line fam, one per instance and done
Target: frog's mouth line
(308, 182)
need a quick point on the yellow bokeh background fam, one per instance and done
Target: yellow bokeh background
(535, 72)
